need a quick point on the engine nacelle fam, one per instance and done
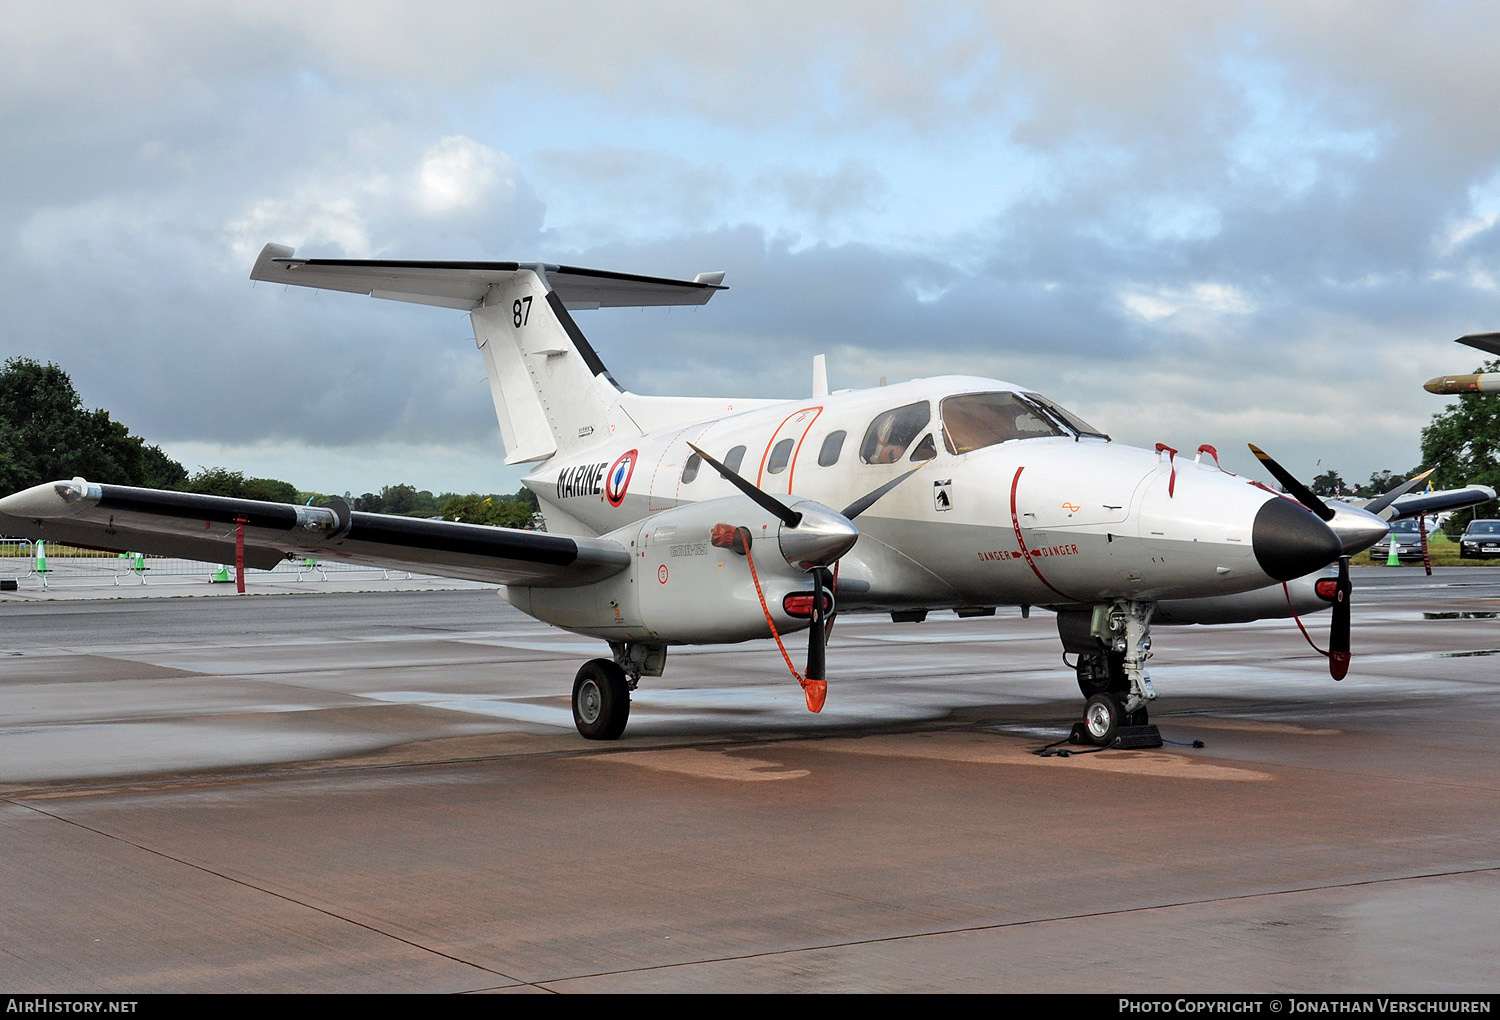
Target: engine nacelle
(681, 588)
(1269, 603)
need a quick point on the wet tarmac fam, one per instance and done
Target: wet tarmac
(383, 791)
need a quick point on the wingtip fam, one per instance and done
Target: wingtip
(50, 499)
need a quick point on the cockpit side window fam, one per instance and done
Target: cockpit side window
(891, 433)
(972, 421)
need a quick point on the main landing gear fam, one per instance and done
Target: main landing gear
(601, 691)
(601, 700)
(1112, 643)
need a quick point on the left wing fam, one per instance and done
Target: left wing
(122, 518)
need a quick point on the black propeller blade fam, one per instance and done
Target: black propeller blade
(1379, 503)
(1301, 493)
(1338, 632)
(869, 499)
(817, 636)
(765, 500)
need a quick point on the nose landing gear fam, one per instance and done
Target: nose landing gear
(1112, 643)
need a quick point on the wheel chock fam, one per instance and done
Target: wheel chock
(1129, 738)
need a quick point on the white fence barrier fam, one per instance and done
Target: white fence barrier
(43, 565)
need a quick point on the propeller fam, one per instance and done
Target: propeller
(812, 537)
(1357, 528)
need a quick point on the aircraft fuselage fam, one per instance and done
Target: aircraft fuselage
(1044, 518)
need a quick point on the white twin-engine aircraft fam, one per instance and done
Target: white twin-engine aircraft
(675, 520)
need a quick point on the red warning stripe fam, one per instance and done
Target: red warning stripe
(1015, 522)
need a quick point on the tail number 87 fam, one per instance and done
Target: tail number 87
(520, 311)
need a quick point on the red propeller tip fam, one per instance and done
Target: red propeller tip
(817, 693)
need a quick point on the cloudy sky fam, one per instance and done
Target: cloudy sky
(1189, 222)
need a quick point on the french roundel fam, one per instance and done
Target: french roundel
(618, 480)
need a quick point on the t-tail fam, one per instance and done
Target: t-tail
(552, 393)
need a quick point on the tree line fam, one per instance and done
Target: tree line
(46, 433)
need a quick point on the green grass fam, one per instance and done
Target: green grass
(1441, 550)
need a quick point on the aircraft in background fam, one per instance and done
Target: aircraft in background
(680, 520)
(1474, 382)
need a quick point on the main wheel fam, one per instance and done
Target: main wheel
(601, 700)
(1102, 718)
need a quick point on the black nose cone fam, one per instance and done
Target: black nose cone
(1290, 541)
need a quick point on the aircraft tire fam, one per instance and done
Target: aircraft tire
(1102, 718)
(601, 700)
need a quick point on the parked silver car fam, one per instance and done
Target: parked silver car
(1408, 539)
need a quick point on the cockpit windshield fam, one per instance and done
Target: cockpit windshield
(1070, 420)
(973, 421)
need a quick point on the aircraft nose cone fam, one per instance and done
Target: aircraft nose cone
(1290, 541)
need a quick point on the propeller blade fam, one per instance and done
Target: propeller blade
(1338, 634)
(870, 498)
(817, 638)
(765, 500)
(1301, 493)
(1379, 503)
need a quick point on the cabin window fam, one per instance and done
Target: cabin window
(926, 449)
(781, 453)
(733, 457)
(690, 469)
(973, 421)
(891, 433)
(833, 445)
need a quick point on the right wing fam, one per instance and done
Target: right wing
(122, 518)
(1415, 503)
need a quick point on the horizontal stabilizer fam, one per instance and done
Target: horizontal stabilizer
(122, 518)
(464, 285)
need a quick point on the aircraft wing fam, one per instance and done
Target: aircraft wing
(1414, 504)
(123, 518)
(1487, 342)
(465, 284)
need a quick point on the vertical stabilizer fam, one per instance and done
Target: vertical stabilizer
(552, 393)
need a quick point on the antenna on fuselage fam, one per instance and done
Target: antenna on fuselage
(820, 375)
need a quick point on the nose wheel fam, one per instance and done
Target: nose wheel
(1102, 718)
